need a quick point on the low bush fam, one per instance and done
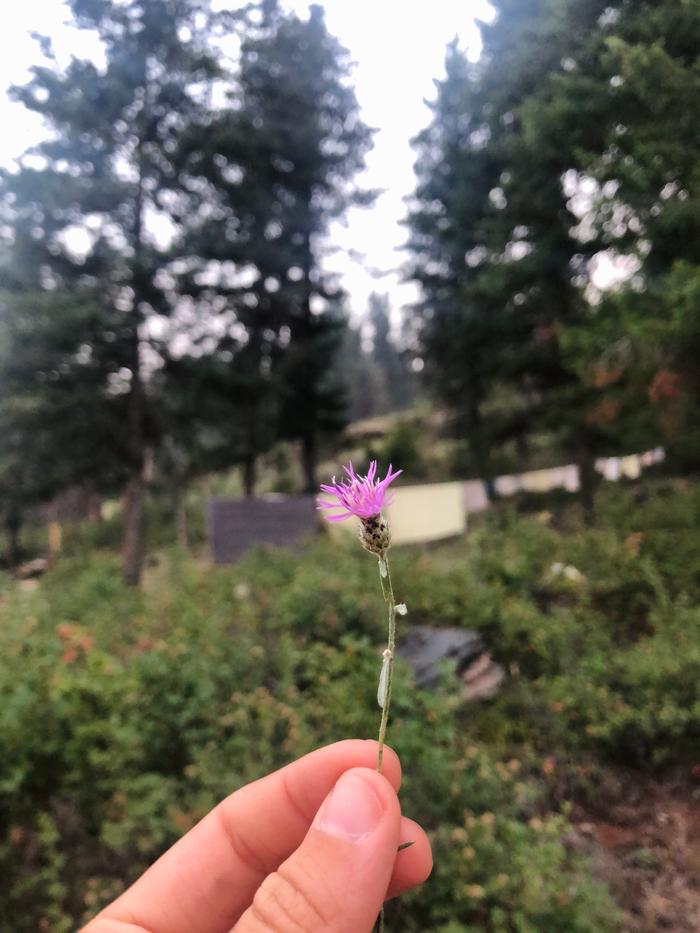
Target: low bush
(125, 716)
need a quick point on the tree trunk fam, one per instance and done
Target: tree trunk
(94, 508)
(132, 533)
(181, 530)
(55, 538)
(13, 524)
(477, 443)
(308, 463)
(179, 507)
(522, 449)
(132, 540)
(308, 391)
(249, 475)
(588, 480)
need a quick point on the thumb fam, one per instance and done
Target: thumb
(337, 879)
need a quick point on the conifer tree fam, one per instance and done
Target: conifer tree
(638, 87)
(57, 413)
(109, 170)
(493, 233)
(282, 164)
(396, 383)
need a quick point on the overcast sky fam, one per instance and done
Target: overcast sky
(399, 50)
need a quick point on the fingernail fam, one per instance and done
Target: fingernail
(353, 809)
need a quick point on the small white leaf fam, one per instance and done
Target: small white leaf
(401, 609)
(382, 568)
(383, 682)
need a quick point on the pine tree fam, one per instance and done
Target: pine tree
(356, 373)
(396, 385)
(283, 162)
(459, 340)
(501, 271)
(109, 169)
(629, 112)
(57, 413)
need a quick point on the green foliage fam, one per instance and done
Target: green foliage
(54, 371)
(221, 210)
(498, 268)
(494, 875)
(394, 384)
(403, 445)
(279, 166)
(601, 630)
(125, 716)
(574, 134)
(110, 165)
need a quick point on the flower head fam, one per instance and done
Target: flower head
(362, 496)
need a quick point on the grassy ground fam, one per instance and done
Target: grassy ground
(568, 803)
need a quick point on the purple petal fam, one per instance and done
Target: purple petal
(321, 504)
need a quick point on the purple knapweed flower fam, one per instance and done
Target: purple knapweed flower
(362, 496)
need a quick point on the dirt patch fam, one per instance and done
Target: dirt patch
(643, 838)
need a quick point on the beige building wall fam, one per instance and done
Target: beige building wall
(427, 513)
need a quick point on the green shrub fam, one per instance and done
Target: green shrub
(125, 716)
(405, 445)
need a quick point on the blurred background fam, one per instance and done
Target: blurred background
(242, 243)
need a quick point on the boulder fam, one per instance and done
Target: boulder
(33, 568)
(426, 649)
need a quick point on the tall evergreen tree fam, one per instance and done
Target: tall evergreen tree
(283, 162)
(448, 219)
(392, 371)
(356, 373)
(639, 87)
(109, 169)
(493, 231)
(57, 412)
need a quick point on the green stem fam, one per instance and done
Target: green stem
(388, 594)
(388, 591)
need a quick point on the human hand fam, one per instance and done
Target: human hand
(312, 847)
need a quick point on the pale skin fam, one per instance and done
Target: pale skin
(312, 847)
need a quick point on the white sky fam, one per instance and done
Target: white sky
(399, 49)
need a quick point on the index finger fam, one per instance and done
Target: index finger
(207, 879)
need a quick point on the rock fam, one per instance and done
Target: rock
(477, 668)
(33, 568)
(426, 649)
(482, 679)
